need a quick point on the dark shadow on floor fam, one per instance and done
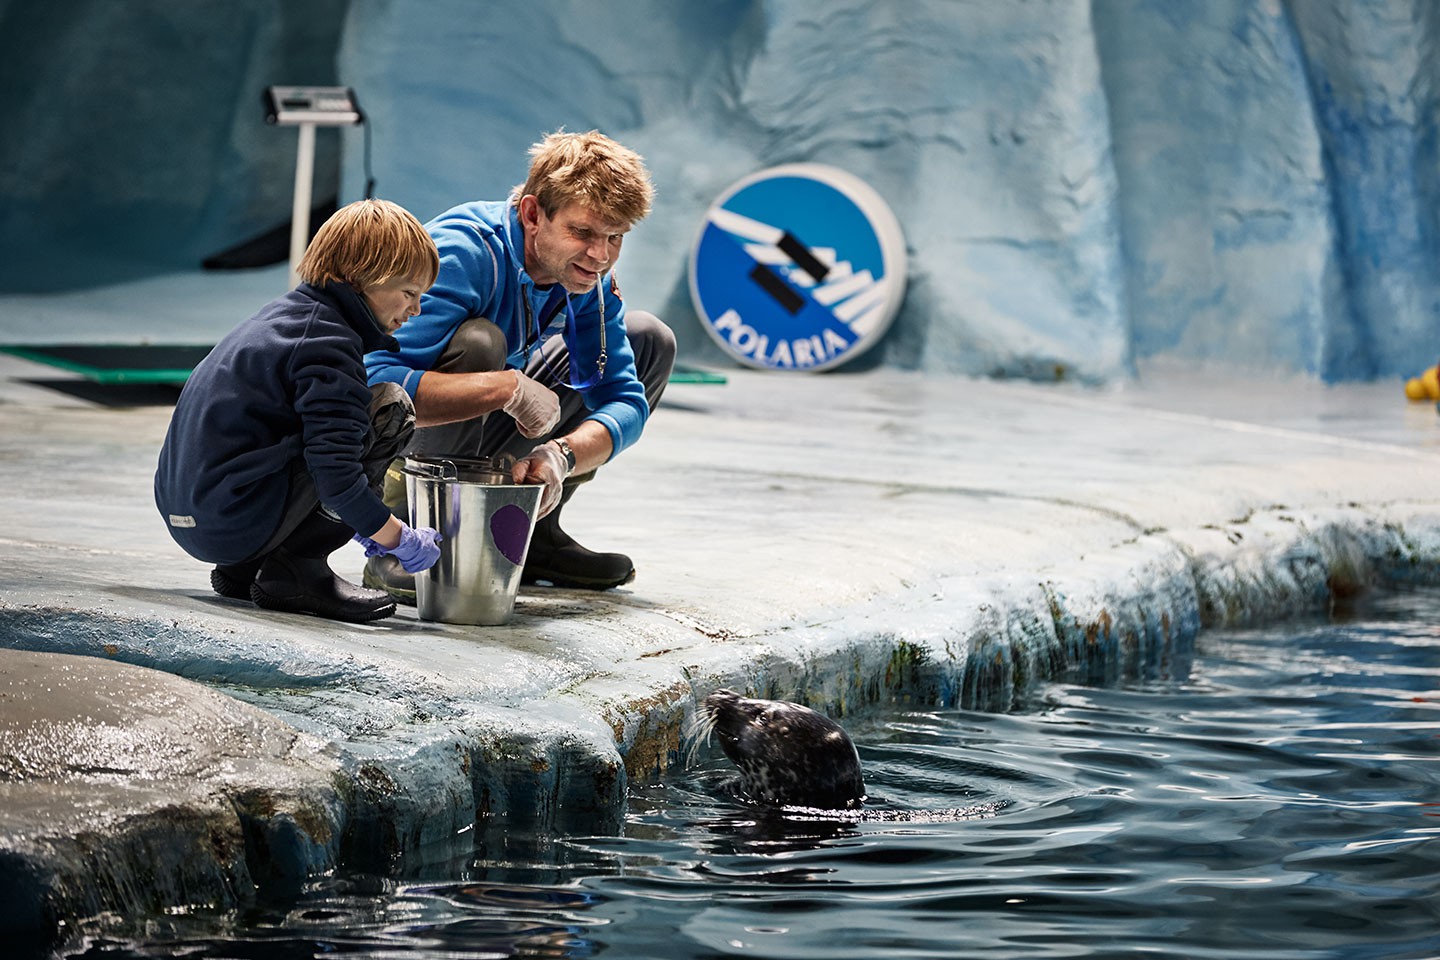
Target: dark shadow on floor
(116, 395)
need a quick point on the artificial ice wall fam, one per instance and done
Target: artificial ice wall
(1083, 184)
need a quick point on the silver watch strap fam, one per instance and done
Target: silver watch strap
(569, 454)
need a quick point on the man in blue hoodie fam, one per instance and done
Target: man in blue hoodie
(524, 345)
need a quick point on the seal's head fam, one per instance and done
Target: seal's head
(787, 754)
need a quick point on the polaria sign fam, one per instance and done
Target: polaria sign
(799, 267)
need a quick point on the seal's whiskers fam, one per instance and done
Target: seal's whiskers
(698, 733)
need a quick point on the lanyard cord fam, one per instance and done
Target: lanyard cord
(533, 332)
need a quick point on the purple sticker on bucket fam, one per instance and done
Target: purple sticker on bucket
(510, 528)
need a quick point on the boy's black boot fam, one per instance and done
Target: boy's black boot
(233, 580)
(297, 579)
(555, 558)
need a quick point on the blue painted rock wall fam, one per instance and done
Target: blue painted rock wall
(1243, 184)
(132, 137)
(1277, 171)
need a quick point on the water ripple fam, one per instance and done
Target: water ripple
(1279, 800)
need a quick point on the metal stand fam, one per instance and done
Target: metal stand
(307, 108)
(300, 212)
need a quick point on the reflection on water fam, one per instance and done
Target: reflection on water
(1280, 797)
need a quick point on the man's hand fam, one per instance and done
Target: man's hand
(545, 464)
(535, 407)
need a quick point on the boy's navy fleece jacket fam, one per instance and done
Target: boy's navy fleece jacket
(288, 382)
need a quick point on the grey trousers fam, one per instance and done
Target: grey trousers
(478, 346)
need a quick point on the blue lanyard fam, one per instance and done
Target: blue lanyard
(533, 332)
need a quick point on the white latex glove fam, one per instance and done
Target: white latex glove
(534, 406)
(545, 464)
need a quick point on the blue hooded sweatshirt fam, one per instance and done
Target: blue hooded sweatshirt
(482, 274)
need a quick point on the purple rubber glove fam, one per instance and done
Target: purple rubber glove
(418, 549)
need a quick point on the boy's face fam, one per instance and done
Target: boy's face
(572, 248)
(394, 301)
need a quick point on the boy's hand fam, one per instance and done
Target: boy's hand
(535, 407)
(418, 549)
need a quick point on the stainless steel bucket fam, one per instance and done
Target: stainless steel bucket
(485, 521)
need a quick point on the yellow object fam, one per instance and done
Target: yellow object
(1414, 389)
(1431, 379)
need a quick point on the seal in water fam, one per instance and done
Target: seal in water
(787, 754)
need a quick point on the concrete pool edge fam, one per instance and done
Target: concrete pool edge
(417, 795)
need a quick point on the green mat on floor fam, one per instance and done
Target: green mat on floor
(117, 363)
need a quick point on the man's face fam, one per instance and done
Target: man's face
(394, 301)
(572, 248)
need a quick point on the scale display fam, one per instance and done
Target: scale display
(798, 267)
(322, 106)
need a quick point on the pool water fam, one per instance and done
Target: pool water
(1278, 796)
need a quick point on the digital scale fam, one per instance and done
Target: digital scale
(307, 108)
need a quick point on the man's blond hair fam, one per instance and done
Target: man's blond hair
(590, 169)
(366, 244)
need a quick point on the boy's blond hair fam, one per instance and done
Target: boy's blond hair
(593, 170)
(367, 243)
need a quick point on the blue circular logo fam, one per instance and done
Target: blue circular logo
(799, 267)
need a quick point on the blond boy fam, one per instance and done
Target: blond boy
(277, 447)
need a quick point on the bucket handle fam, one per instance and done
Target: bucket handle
(434, 469)
(440, 468)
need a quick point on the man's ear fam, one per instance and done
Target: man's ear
(529, 210)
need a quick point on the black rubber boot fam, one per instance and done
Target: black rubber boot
(555, 558)
(296, 577)
(233, 579)
(384, 572)
(308, 585)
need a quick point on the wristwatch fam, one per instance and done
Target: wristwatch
(564, 446)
